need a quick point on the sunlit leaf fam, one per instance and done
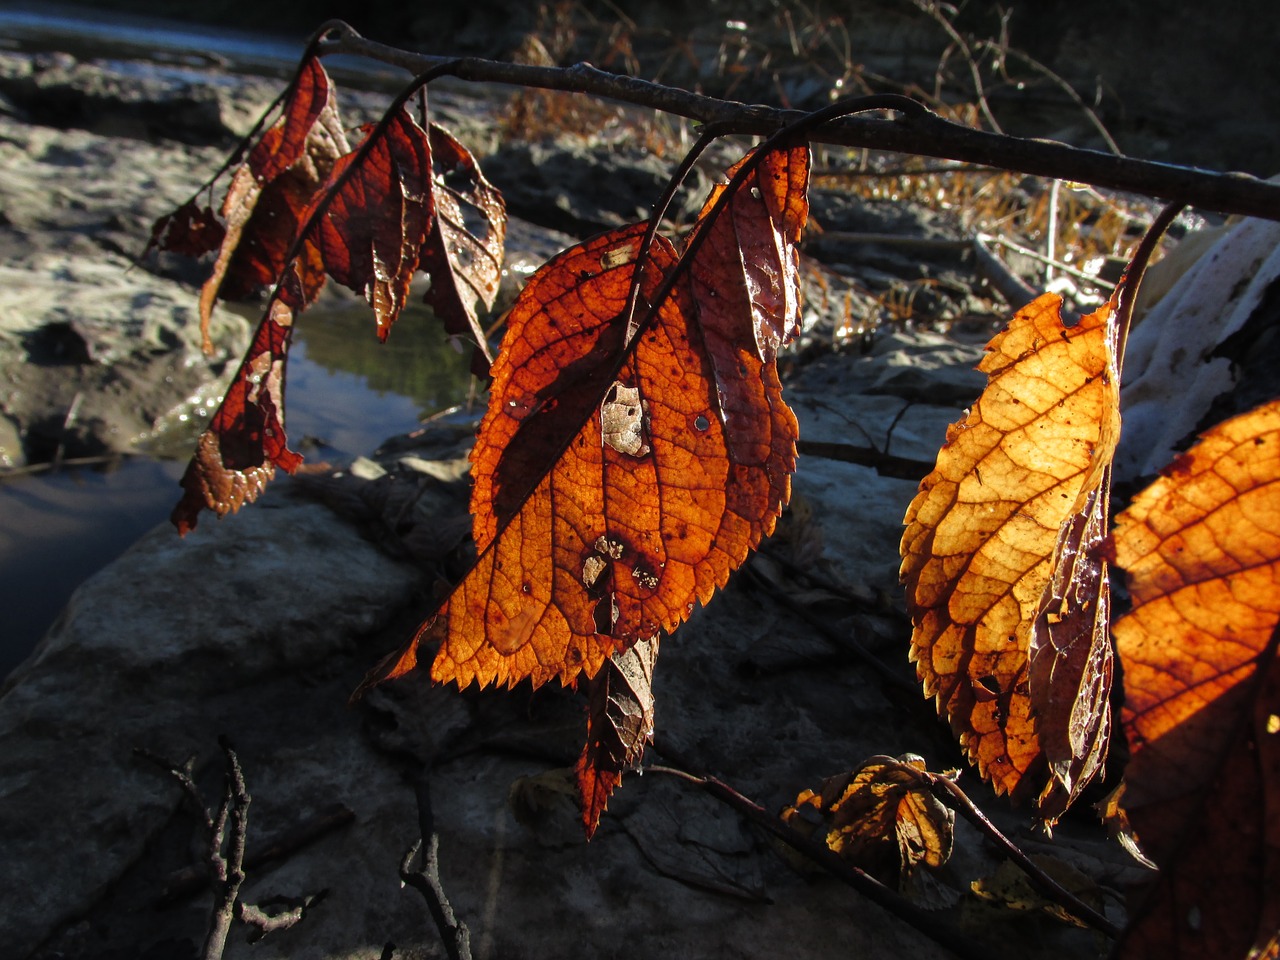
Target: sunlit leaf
(1201, 550)
(620, 476)
(880, 818)
(1021, 486)
(463, 252)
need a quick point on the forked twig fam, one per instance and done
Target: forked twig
(426, 879)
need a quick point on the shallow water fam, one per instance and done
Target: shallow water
(345, 394)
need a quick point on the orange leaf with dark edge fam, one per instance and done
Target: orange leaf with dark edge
(978, 551)
(1201, 551)
(619, 725)
(378, 209)
(463, 252)
(606, 503)
(245, 441)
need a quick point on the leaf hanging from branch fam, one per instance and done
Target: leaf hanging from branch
(610, 495)
(1001, 557)
(267, 199)
(463, 252)
(237, 455)
(303, 206)
(880, 818)
(1201, 551)
(619, 726)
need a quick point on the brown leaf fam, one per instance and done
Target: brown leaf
(191, 230)
(1019, 488)
(621, 475)
(1201, 550)
(245, 441)
(463, 252)
(619, 725)
(881, 818)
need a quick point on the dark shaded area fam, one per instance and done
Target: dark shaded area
(1182, 83)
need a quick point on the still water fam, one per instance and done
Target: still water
(346, 392)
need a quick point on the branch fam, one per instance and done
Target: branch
(867, 885)
(923, 134)
(949, 792)
(426, 879)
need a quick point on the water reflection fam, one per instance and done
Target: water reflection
(345, 389)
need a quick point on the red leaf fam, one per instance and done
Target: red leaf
(237, 455)
(378, 209)
(264, 204)
(191, 230)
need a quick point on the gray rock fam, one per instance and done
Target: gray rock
(259, 628)
(230, 630)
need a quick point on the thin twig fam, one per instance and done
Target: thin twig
(950, 793)
(192, 879)
(925, 134)
(867, 885)
(426, 879)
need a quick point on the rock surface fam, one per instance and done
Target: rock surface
(259, 627)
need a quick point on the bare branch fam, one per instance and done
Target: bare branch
(949, 792)
(924, 134)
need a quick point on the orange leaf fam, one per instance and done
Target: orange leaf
(1201, 548)
(622, 473)
(1019, 487)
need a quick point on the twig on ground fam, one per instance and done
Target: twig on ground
(426, 879)
(820, 853)
(227, 870)
(191, 879)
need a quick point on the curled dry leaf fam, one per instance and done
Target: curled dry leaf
(1012, 890)
(610, 492)
(1002, 558)
(1201, 550)
(619, 725)
(237, 455)
(463, 251)
(881, 818)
